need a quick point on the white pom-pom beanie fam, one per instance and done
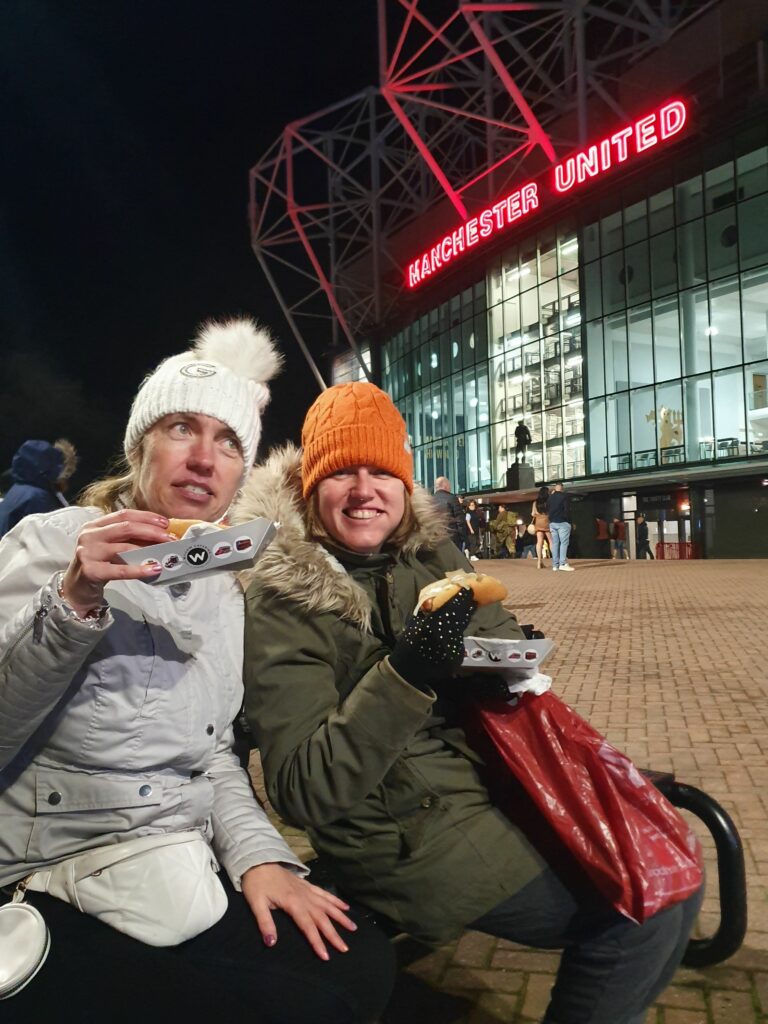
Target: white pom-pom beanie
(224, 375)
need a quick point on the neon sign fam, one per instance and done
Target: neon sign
(585, 165)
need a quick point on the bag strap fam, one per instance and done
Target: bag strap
(84, 864)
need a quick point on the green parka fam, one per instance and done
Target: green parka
(387, 789)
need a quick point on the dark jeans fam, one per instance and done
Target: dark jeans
(643, 550)
(95, 974)
(611, 970)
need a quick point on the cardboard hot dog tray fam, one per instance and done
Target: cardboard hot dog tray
(509, 657)
(205, 549)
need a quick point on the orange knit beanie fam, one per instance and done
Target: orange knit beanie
(354, 424)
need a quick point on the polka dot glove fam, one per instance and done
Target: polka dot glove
(432, 645)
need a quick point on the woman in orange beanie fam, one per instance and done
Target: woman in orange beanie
(351, 703)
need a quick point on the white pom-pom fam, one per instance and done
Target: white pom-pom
(242, 346)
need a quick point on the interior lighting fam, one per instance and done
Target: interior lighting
(435, 414)
(764, 482)
(433, 360)
(574, 361)
(568, 247)
(573, 320)
(514, 273)
(473, 402)
(711, 331)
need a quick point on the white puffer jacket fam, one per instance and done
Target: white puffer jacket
(123, 730)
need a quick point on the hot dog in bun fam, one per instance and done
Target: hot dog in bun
(178, 527)
(485, 590)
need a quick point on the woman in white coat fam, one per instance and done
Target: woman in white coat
(116, 707)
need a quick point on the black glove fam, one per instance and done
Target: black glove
(432, 644)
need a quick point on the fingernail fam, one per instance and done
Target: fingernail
(270, 940)
(162, 521)
(353, 927)
(325, 955)
(151, 567)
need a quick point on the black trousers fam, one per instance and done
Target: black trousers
(95, 974)
(643, 550)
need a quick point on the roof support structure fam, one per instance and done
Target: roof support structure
(465, 100)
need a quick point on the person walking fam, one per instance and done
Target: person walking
(504, 529)
(540, 521)
(603, 537)
(461, 525)
(643, 547)
(474, 525)
(619, 539)
(560, 527)
(446, 502)
(354, 710)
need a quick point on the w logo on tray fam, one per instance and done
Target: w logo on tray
(197, 556)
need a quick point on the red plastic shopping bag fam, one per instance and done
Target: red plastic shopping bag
(630, 841)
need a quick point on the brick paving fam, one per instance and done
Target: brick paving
(668, 659)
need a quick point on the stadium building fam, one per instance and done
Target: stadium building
(553, 213)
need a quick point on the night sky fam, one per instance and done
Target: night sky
(128, 130)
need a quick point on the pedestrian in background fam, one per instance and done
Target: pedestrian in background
(446, 502)
(619, 539)
(641, 538)
(560, 527)
(39, 471)
(504, 529)
(474, 525)
(540, 521)
(527, 541)
(461, 525)
(603, 537)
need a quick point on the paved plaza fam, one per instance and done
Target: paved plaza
(668, 659)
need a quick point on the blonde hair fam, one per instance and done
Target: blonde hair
(407, 525)
(109, 493)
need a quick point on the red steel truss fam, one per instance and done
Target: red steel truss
(469, 97)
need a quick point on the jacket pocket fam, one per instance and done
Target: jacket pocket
(74, 810)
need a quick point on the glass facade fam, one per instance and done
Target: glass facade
(632, 340)
(676, 315)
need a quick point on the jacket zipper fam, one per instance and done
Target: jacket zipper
(34, 626)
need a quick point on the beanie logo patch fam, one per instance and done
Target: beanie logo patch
(198, 370)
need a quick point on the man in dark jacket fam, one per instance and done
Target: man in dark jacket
(36, 468)
(560, 527)
(449, 506)
(641, 536)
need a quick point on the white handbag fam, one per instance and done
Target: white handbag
(24, 943)
(161, 890)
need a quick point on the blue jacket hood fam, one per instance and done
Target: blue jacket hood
(37, 463)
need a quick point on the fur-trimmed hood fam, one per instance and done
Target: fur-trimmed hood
(301, 569)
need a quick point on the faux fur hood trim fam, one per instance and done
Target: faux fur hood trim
(300, 569)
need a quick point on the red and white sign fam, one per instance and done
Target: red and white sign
(587, 164)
